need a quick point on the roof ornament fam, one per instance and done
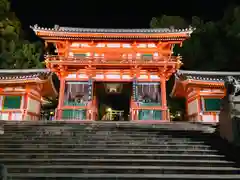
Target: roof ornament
(179, 62)
(35, 26)
(56, 27)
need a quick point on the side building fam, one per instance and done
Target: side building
(203, 91)
(22, 92)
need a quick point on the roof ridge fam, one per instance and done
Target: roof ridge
(112, 30)
(219, 73)
(24, 71)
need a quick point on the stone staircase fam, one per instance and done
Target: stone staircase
(66, 151)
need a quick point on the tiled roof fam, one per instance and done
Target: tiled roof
(100, 30)
(206, 75)
(23, 74)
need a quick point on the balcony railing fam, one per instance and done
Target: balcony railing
(107, 60)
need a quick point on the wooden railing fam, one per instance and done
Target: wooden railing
(102, 60)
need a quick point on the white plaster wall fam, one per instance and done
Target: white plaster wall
(126, 77)
(207, 118)
(33, 105)
(22, 102)
(193, 107)
(210, 118)
(27, 117)
(17, 116)
(1, 101)
(71, 76)
(217, 118)
(4, 116)
(113, 76)
(143, 77)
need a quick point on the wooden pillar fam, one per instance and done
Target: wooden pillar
(199, 117)
(25, 105)
(66, 50)
(164, 98)
(61, 98)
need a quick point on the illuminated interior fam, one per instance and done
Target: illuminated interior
(113, 100)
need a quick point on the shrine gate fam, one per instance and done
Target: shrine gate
(114, 57)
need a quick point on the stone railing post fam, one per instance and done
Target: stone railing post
(229, 118)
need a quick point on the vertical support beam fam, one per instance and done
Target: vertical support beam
(66, 51)
(61, 98)
(200, 118)
(25, 105)
(10, 116)
(95, 109)
(164, 98)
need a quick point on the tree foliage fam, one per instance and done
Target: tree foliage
(168, 22)
(214, 45)
(15, 52)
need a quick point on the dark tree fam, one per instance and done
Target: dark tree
(15, 52)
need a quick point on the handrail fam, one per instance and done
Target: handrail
(101, 60)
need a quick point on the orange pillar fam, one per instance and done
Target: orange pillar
(61, 98)
(164, 98)
(25, 105)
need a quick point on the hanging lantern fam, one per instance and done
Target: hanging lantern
(113, 87)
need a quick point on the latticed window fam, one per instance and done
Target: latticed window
(148, 94)
(150, 115)
(147, 56)
(12, 102)
(212, 104)
(76, 114)
(80, 55)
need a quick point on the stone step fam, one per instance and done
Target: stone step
(110, 150)
(60, 150)
(101, 132)
(132, 124)
(104, 127)
(111, 156)
(109, 141)
(125, 176)
(99, 137)
(121, 169)
(106, 144)
(96, 134)
(100, 161)
(74, 134)
(89, 141)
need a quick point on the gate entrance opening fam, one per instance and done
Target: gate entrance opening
(113, 100)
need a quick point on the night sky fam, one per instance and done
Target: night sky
(111, 13)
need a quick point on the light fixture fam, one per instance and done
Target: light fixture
(109, 109)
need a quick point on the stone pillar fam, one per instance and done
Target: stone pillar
(229, 118)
